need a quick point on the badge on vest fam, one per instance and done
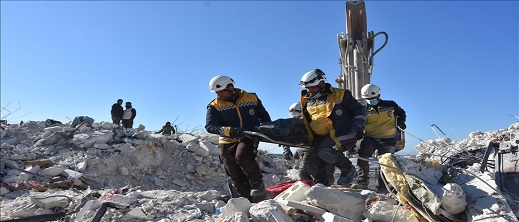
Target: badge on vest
(338, 112)
(252, 112)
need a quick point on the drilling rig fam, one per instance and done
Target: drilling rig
(357, 50)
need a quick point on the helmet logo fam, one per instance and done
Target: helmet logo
(252, 112)
(338, 112)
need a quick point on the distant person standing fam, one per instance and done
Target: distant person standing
(117, 112)
(128, 115)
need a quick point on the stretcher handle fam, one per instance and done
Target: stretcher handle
(258, 134)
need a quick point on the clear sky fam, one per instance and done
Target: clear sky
(449, 63)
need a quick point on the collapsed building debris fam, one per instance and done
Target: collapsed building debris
(105, 173)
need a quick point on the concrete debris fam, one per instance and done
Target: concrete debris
(310, 209)
(102, 172)
(475, 167)
(236, 205)
(349, 205)
(269, 211)
(389, 210)
(329, 217)
(49, 202)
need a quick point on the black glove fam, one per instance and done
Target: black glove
(236, 132)
(351, 151)
(402, 126)
(288, 155)
(346, 145)
(359, 132)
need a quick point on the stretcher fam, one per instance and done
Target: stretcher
(286, 132)
(265, 138)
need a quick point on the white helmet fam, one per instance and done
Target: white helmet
(219, 82)
(295, 110)
(369, 91)
(312, 78)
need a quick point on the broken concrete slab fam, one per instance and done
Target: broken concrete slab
(235, 205)
(49, 201)
(346, 204)
(269, 211)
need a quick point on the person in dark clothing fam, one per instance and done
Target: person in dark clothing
(128, 115)
(167, 129)
(294, 111)
(233, 111)
(382, 119)
(334, 120)
(117, 112)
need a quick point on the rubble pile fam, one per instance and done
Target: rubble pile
(102, 158)
(101, 172)
(445, 148)
(486, 168)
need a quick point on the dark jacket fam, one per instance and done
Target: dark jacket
(167, 130)
(117, 110)
(339, 107)
(247, 113)
(382, 119)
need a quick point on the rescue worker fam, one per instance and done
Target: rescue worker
(167, 129)
(233, 111)
(295, 112)
(335, 121)
(382, 119)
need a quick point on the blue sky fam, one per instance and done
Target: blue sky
(449, 63)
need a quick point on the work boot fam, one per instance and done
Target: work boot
(382, 189)
(330, 170)
(257, 188)
(360, 184)
(347, 176)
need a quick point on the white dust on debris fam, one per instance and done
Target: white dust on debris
(51, 167)
(170, 174)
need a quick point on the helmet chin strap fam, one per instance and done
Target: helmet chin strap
(317, 95)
